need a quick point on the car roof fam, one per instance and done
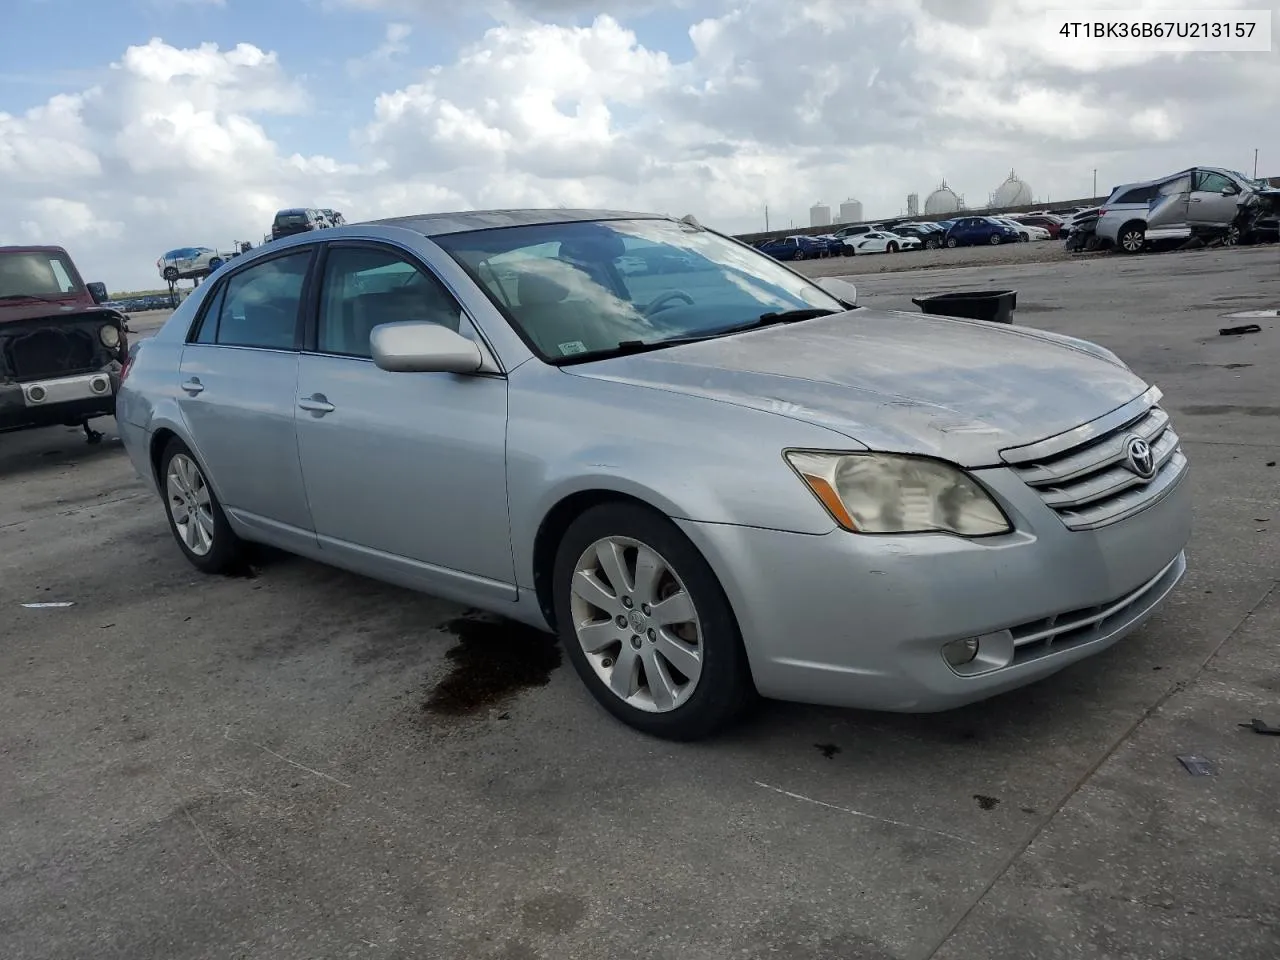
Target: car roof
(438, 224)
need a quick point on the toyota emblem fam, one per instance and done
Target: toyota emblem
(1139, 458)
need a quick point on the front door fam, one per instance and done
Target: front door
(237, 395)
(1208, 206)
(405, 472)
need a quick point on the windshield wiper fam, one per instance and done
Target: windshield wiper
(28, 296)
(764, 320)
(788, 316)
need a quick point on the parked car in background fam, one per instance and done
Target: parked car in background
(1198, 201)
(1026, 231)
(1045, 221)
(297, 220)
(853, 230)
(930, 235)
(187, 263)
(61, 347)
(797, 247)
(881, 241)
(334, 217)
(969, 231)
(835, 246)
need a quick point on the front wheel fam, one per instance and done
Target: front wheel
(646, 624)
(195, 516)
(170, 274)
(951, 241)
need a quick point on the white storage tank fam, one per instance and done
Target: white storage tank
(820, 215)
(851, 211)
(942, 201)
(913, 204)
(1012, 193)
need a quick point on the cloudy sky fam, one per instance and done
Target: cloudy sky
(131, 127)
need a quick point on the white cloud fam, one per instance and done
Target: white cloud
(778, 105)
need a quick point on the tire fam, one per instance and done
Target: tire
(995, 240)
(1232, 237)
(1025, 237)
(951, 241)
(170, 274)
(722, 689)
(220, 550)
(1132, 238)
(892, 247)
(214, 264)
(932, 244)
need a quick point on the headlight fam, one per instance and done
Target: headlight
(109, 335)
(887, 493)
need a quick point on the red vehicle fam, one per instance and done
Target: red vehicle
(62, 351)
(1052, 224)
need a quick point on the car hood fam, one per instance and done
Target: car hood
(56, 311)
(895, 381)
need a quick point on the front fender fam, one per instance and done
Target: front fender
(689, 457)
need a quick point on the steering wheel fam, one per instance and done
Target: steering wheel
(662, 299)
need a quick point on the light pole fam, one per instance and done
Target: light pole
(1095, 182)
(1255, 163)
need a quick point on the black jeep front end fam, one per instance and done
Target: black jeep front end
(61, 369)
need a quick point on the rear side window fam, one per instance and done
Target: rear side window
(258, 307)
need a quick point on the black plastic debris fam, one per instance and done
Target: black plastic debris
(1197, 766)
(828, 750)
(994, 306)
(1259, 726)
(1237, 331)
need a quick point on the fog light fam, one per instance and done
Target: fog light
(36, 394)
(99, 385)
(959, 652)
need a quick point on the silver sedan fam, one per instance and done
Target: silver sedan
(711, 476)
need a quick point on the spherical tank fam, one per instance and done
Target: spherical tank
(1012, 193)
(942, 200)
(851, 211)
(820, 215)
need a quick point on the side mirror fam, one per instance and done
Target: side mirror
(1228, 191)
(842, 290)
(98, 291)
(415, 346)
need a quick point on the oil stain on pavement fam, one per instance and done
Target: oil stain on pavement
(492, 660)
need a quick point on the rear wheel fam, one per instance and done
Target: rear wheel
(995, 239)
(646, 624)
(892, 248)
(195, 516)
(1132, 237)
(170, 274)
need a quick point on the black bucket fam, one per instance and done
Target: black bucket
(994, 306)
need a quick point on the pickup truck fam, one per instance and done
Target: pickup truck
(62, 349)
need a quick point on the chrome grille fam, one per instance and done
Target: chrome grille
(1084, 475)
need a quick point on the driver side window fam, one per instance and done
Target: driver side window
(367, 286)
(1214, 183)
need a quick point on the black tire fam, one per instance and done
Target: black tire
(995, 240)
(214, 264)
(170, 274)
(952, 242)
(892, 247)
(724, 690)
(932, 244)
(227, 552)
(1024, 237)
(1132, 238)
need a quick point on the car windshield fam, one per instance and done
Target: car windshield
(37, 275)
(579, 290)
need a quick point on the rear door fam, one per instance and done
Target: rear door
(405, 472)
(1209, 206)
(238, 382)
(1166, 202)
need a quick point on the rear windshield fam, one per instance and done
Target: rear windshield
(35, 274)
(291, 219)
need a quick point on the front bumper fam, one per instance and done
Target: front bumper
(859, 621)
(66, 400)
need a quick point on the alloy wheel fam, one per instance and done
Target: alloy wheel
(637, 624)
(1132, 240)
(190, 505)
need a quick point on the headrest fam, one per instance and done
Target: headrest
(536, 288)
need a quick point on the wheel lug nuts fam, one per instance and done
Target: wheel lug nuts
(652, 636)
(644, 608)
(626, 602)
(620, 621)
(635, 642)
(607, 662)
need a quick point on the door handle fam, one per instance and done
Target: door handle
(193, 386)
(316, 403)
(1195, 199)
